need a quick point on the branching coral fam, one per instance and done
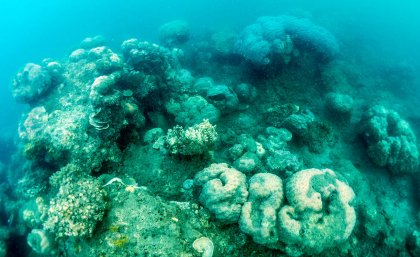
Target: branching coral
(195, 140)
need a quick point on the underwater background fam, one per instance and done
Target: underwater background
(209, 128)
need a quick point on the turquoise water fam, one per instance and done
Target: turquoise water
(209, 128)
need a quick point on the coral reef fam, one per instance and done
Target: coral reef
(318, 214)
(219, 145)
(249, 162)
(221, 96)
(247, 154)
(279, 159)
(150, 58)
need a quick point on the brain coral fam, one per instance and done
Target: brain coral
(319, 214)
(223, 191)
(259, 213)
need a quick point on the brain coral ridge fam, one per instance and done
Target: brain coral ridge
(317, 212)
(259, 213)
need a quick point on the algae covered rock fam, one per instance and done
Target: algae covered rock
(31, 83)
(279, 158)
(149, 58)
(61, 137)
(193, 110)
(51, 136)
(223, 98)
(339, 103)
(246, 93)
(317, 134)
(138, 223)
(202, 85)
(390, 140)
